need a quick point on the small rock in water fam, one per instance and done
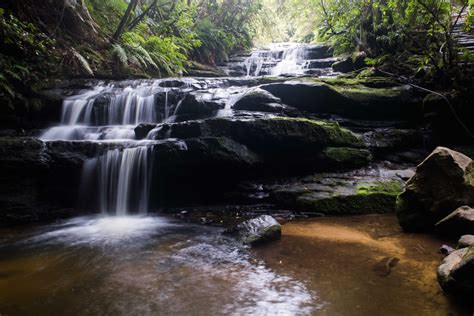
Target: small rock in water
(385, 266)
(445, 250)
(258, 230)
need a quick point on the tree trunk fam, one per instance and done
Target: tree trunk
(123, 23)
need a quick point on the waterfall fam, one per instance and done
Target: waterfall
(254, 60)
(276, 60)
(124, 108)
(291, 63)
(121, 178)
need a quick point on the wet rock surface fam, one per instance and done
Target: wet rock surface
(257, 231)
(340, 194)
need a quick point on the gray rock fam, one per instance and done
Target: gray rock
(193, 106)
(355, 100)
(456, 272)
(258, 230)
(318, 51)
(458, 223)
(259, 100)
(466, 241)
(354, 62)
(443, 182)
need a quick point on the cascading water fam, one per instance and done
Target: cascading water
(110, 112)
(121, 178)
(283, 59)
(292, 62)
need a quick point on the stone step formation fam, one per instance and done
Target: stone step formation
(463, 32)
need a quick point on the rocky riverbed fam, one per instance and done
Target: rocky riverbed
(314, 148)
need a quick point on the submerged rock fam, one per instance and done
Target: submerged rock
(443, 182)
(456, 273)
(257, 230)
(458, 223)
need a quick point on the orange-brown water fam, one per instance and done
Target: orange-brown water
(156, 266)
(346, 261)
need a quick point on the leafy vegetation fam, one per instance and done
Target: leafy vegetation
(415, 35)
(22, 45)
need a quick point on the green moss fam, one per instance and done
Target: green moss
(393, 187)
(347, 154)
(335, 134)
(302, 119)
(469, 253)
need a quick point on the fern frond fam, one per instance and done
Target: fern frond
(83, 62)
(119, 54)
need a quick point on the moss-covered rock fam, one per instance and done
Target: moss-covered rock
(349, 156)
(352, 98)
(341, 196)
(277, 139)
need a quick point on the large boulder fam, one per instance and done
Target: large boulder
(258, 230)
(456, 273)
(194, 107)
(443, 182)
(259, 100)
(458, 223)
(350, 98)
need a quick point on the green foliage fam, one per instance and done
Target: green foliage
(224, 26)
(22, 45)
